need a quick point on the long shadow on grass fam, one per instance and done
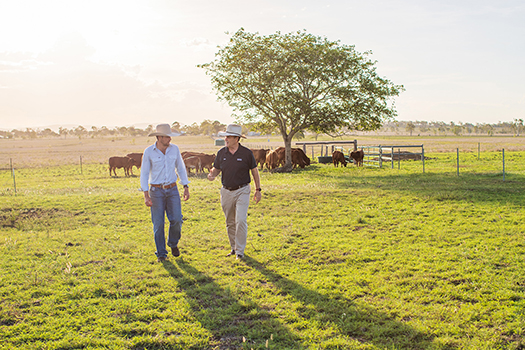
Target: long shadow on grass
(357, 322)
(227, 318)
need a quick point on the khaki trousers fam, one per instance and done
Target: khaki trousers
(235, 207)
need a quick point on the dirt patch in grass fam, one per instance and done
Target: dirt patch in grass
(19, 218)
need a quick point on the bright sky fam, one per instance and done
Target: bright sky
(133, 62)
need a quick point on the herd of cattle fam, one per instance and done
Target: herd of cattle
(197, 161)
(355, 156)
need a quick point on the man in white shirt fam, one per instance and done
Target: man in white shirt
(162, 165)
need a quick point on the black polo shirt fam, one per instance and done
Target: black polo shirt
(235, 168)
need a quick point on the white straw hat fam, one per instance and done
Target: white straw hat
(163, 130)
(233, 130)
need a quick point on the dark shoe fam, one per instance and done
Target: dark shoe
(175, 251)
(239, 257)
(231, 253)
(162, 259)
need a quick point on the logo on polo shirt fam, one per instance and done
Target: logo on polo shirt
(239, 159)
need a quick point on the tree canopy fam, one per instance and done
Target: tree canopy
(298, 82)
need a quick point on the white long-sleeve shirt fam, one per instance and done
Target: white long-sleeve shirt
(162, 169)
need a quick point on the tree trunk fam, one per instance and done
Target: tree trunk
(288, 155)
(287, 167)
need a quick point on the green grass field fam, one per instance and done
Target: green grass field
(337, 258)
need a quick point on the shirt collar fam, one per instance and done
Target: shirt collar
(155, 146)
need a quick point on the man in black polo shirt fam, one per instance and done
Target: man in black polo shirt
(236, 162)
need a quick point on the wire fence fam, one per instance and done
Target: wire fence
(11, 170)
(501, 162)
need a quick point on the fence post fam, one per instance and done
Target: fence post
(457, 150)
(479, 147)
(392, 157)
(355, 145)
(398, 158)
(14, 180)
(80, 165)
(503, 164)
(11, 165)
(423, 157)
(380, 157)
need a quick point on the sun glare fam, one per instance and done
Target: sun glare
(35, 26)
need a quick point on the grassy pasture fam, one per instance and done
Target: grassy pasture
(337, 258)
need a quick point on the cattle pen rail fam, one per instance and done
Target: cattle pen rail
(376, 155)
(324, 146)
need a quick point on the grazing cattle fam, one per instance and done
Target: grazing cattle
(137, 160)
(305, 158)
(193, 162)
(281, 156)
(207, 161)
(272, 160)
(358, 156)
(120, 162)
(187, 154)
(297, 158)
(338, 157)
(260, 156)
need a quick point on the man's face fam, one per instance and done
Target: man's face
(231, 140)
(164, 140)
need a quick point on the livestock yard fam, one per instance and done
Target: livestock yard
(337, 257)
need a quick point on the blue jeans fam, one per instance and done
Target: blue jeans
(165, 201)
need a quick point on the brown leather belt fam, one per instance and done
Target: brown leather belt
(165, 186)
(235, 188)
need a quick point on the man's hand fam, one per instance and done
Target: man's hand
(257, 196)
(186, 195)
(213, 174)
(147, 199)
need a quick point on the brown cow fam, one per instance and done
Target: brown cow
(187, 154)
(297, 158)
(281, 156)
(193, 162)
(260, 156)
(137, 160)
(120, 162)
(305, 158)
(207, 161)
(272, 160)
(358, 156)
(338, 157)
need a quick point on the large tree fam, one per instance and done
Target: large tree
(299, 82)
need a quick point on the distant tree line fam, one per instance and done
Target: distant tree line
(423, 128)
(206, 127)
(212, 128)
